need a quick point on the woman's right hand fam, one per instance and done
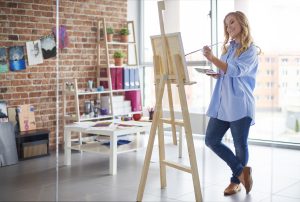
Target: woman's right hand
(207, 53)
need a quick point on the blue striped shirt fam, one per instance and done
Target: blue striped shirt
(233, 98)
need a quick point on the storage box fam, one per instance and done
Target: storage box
(26, 117)
(36, 148)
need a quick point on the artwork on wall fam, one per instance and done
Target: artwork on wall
(3, 60)
(48, 46)
(16, 58)
(63, 36)
(34, 52)
(3, 111)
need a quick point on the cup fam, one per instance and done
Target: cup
(100, 88)
(151, 115)
(103, 111)
(90, 84)
(87, 107)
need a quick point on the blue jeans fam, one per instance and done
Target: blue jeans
(216, 130)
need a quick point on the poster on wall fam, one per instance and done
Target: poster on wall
(34, 52)
(16, 58)
(63, 36)
(3, 111)
(48, 46)
(3, 60)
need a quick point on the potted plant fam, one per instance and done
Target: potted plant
(124, 32)
(109, 33)
(119, 57)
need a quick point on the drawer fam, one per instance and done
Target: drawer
(35, 148)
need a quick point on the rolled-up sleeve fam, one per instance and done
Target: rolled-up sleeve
(242, 65)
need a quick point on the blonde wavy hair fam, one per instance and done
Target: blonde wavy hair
(245, 36)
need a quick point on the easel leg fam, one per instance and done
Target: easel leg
(172, 116)
(162, 156)
(154, 125)
(188, 130)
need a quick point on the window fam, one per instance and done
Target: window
(191, 19)
(277, 63)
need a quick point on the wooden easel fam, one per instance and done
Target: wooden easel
(169, 70)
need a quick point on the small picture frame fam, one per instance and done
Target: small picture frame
(3, 111)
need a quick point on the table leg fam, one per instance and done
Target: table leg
(67, 148)
(180, 143)
(138, 135)
(113, 155)
(80, 141)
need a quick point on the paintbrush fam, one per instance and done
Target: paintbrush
(202, 48)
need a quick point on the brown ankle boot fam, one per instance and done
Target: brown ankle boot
(246, 178)
(232, 189)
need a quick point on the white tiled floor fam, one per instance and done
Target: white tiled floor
(276, 174)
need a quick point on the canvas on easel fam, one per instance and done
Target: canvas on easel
(176, 48)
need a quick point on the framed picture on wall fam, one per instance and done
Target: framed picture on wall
(48, 46)
(3, 60)
(3, 111)
(16, 58)
(34, 52)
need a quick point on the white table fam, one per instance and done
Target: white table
(112, 132)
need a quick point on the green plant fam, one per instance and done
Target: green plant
(109, 30)
(124, 31)
(119, 54)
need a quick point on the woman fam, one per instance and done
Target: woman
(232, 105)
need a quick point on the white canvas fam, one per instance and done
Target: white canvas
(34, 52)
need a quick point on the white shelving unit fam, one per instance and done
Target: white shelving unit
(102, 43)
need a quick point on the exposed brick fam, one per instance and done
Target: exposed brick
(12, 5)
(13, 37)
(26, 20)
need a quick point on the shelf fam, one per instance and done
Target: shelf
(119, 43)
(95, 118)
(124, 65)
(32, 144)
(124, 90)
(129, 113)
(100, 92)
(70, 117)
(73, 117)
(83, 92)
(91, 92)
(98, 147)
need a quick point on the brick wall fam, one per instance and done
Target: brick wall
(26, 20)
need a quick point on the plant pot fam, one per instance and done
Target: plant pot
(118, 61)
(109, 37)
(124, 38)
